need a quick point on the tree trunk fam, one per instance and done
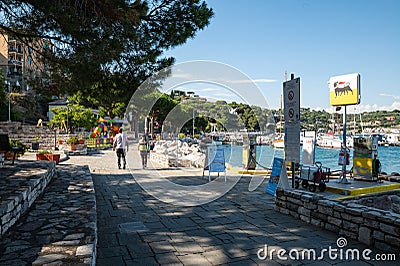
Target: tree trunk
(136, 125)
(152, 126)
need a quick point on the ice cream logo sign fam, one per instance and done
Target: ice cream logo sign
(345, 89)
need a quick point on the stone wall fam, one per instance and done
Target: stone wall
(24, 193)
(374, 227)
(27, 133)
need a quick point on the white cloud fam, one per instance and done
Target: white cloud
(390, 95)
(361, 108)
(247, 81)
(208, 89)
(375, 107)
(183, 76)
(223, 94)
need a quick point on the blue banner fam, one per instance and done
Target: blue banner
(216, 159)
(275, 174)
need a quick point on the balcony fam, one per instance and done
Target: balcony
(14, 62)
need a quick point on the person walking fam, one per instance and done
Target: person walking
(121, 146)
(142, 147)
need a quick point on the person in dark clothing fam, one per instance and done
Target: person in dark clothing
(121, 146)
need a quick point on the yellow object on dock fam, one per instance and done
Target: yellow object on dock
(360, 188)
(251, 172)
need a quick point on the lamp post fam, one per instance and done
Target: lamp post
(67, 102)
(193, 123)
(8, 83)
(9, 102)
(10, 76)
(55, 139)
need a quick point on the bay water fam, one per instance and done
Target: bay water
(388, 156)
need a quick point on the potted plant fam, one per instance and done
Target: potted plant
(35, 143)
(16, 143)
(81, 139)
(45, 155)
(72, 141)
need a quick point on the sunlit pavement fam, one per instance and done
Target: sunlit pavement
(135, 228)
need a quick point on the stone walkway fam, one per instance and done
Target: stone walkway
(134, 228)
(60, 227)
(144, 220)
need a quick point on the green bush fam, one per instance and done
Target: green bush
(18, 143)
(73, 140)
(45, 152)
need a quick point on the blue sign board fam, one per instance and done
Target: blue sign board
(216, 159)
(275, 174)
(276, 167)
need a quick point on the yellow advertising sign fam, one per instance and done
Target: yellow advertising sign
(344, 90)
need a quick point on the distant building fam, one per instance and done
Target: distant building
(21, 62)
(390, 118)
(184, 96)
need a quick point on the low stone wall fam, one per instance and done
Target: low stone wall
(22, 194)
(27, 134)
(371, 226)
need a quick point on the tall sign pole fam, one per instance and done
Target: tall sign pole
(344, 90)
(291, 92)
(344, 178)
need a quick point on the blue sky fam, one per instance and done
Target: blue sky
(314, 39)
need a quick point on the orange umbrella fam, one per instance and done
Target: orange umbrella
(102, 120)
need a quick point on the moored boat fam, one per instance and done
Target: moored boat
(329, 141)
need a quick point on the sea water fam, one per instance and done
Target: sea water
(388, 156)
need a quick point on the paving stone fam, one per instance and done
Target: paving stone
(116, 260)
(139, 250)
(187, 248)
(167, 259)
(74, 236)
(112, 252)
(229, 230)
(162, 247)
(85, 250)
(216, 257)
(48, 259)
(194, 259)
(148, 261)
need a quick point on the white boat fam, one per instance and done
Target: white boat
(278, 144)
(390, 139)
(279, 141)
(329, 141)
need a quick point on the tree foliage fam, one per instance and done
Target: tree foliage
(101, 46)
(75, 115)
